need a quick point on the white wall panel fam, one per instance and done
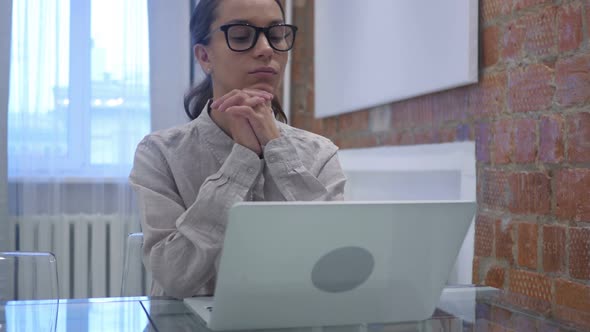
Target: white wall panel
(369, 53)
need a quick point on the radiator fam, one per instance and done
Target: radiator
(90, 249)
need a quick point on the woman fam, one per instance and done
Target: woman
(234, 150)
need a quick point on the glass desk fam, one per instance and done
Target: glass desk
(461, 308)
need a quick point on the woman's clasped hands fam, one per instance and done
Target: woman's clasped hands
(251, 119)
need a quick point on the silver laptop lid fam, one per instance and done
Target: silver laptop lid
(334, 263)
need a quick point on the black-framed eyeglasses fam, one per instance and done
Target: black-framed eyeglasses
(241, 37)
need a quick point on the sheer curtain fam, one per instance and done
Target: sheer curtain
(78, 105)
(5, 24)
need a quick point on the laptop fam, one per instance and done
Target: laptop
(297, 264)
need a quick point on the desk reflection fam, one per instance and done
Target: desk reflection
(108, 314)
(465, 308)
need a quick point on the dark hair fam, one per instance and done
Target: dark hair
(197, 97)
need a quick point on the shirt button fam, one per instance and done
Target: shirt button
(250, 170)
(272, 159)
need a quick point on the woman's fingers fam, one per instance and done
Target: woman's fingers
(241, 100)
(243, 134)
(259, 93)
(236, 99)
(221, 99)
(237, 96)
(242, 111)
(255, 107)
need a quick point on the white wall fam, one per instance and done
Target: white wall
(170, 57)
(5, 27)
(374, 52)
(416, 172)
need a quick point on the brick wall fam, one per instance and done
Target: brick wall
(530, 118)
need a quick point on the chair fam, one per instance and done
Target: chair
(136, 280)
(25, 277)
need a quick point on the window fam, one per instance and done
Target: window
(79, 87)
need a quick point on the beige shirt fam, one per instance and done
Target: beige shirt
(186, 178)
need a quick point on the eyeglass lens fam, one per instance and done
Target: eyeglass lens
(241, 37)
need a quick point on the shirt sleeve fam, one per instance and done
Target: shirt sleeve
(295, 181)
(182, 244)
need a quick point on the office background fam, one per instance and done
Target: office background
(529, 116)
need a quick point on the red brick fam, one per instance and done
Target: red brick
(475, 271)
(447, 135)
(500, 320)
(578, 320)
(400, 115)
(301, 120)
(482, 142)
(310, 100)
(522, 4)
(426, 136)
(502, 317)
(483, 310)
(553, 248)
(573, 190)
(525, 136)
(579, 252)
(578, 137)
(531, 284)
(530, 193)
(390, 138)
(551, 145)
(491, 9)
(572, 295)
(587, 9)
(404, 137)
(494, 189)
(504, 240)
(309, 34)
(495, 277)
(491, 46)
(449, 106)
(489, 96)
(502, 329)
(357, 141)
(330, 127)
(572, 78)
(573, 303)
(540, 34)
(317, 126)
(421, 115)
(503, 147)
(570, 27)
(299, 18)
(513, 40)
(353, 122)
(298, 71)
(525, 323)
(484, 236)
(530, 88)
(523, 301)
(527, 245)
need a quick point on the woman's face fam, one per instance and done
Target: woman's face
(258, 68)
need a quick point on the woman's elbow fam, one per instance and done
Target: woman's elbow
(174, 280)
(179, 275)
